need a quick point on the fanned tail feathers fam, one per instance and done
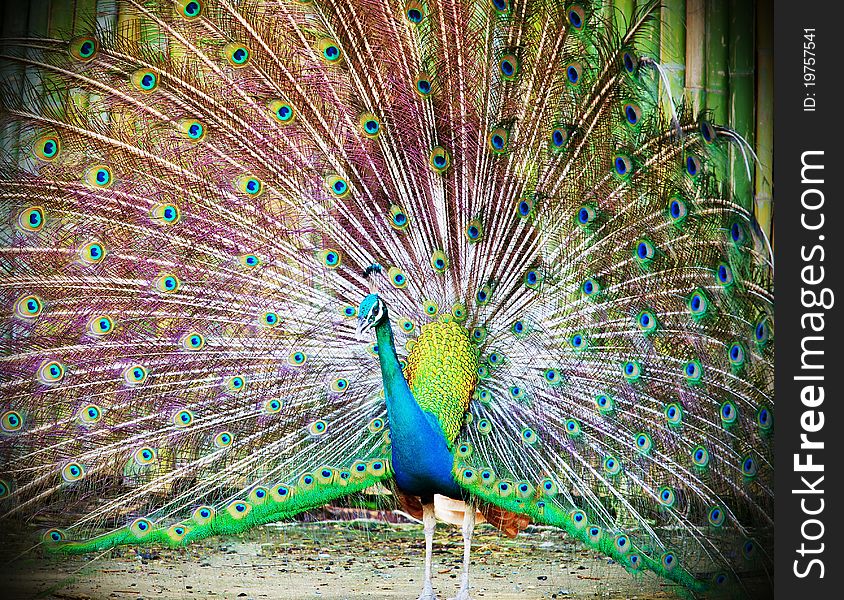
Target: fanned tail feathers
(192, 213)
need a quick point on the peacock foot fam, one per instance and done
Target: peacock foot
(427, 592)
(462, 595)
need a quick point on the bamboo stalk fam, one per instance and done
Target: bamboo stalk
(14, 25)
(695, 54)
(672, 41)
(622, 15)
(742, 91)
(764, 115)
(717, 81)
(717, 59)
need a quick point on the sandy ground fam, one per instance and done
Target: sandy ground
(334, 561)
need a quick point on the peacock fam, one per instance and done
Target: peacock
(260, 256)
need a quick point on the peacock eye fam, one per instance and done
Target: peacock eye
(330, 51)
(237, 55)
(509, 67)
(573, 72)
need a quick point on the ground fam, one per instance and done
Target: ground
(336, 561)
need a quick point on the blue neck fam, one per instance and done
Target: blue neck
(422, 461)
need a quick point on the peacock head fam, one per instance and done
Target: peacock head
(372, 311)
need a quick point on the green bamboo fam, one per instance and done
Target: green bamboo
(672, 42)
(695, 54)
(717, 60)
(14, 25)
(741, 84)
(764, 114)
(717, 80)
(622, 15)
(648, 44)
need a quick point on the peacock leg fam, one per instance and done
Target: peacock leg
(468, 529)
(429, 523)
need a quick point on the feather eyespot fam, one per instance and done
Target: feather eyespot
(525, 207)
(576, 16)
(145, 80)
(272, 406)
(698, 304)
(223, 439)
(318, 427)
(474, 231)
(237, 55)
(483, 295)
(330, 258)
(501, 6)
(330, 51)
(629, 62)
(90, 414)
(92, 252)
(83, 48)
(678, 210)
(439, 261)
(673, 414)
(424, 85)
(646, 322)
(765, 419)
(73, 471)
(145, 456)
(728, 412)
(509, 67)
(586, 215)
(338, 186)
(604, 403)
(529, 436)
(749, 467)
(632, 370)
(51, 372)
(53, 536)
(29, 306)
(165, 214)
(693, 165)
(693, 372)
(590, 288)
(716, 516)
(370, 126)
(189, 9)
(458, 311)
(622, 166)
(707, 132)
(559, 137)
(761, 332)
(249, 185)
(192, 129)
(11, 421)
(398, 218)
(193, 341)
(140, 528)
(573, 73)
(203, 515)
(47, 147)
(297, 358)
(31, 219)
(632, 114)
(611, 465)
(439, 159)
(414, 12)
(700, 456)
(99, 176)
(282, 111)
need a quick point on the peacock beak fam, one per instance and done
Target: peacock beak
(364, 325)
